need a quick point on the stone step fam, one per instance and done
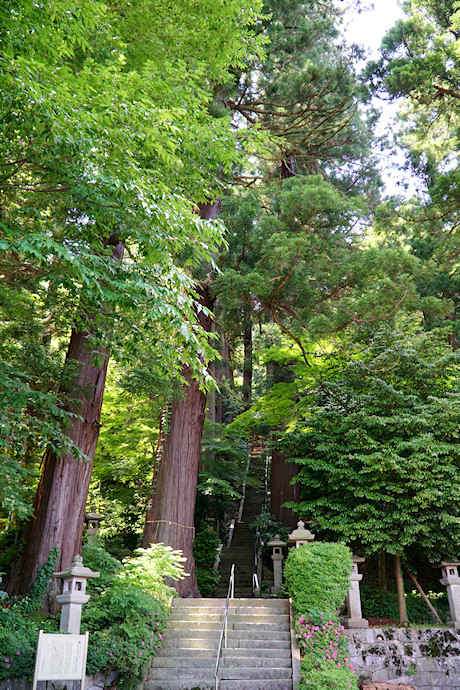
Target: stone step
(252, 616)
(233, 660)
(209, 684)
(224, 673)
(249, 685)
(184, 641)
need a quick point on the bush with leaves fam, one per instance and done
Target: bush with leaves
(267, 527)
(20, 621)
(205, 549)
(127, 617)
(318, 578)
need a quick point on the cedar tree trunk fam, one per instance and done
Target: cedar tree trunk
(282, 490)
(60, 500)
(170, 518)
(283, 471)
(247, 366)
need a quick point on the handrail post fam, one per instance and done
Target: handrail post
(223, 634)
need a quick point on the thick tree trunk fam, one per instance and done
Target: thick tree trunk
(283, 471)
(282, 490)
(60, 500)
(403, 619)
(170, 518)
(247, 366)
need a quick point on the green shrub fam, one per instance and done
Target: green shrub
(267, 527)
(126, 614)
(379, 604)
(205, 552)
(205, 549)
(318, 577)
(207, 581)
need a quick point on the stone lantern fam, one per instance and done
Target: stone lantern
(92, 520)
(301, 535)
(277, 557)
(354, 617)
(73, 594)
(451, 580)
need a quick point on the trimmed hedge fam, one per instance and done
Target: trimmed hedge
(318, 578)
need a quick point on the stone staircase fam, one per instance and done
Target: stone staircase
(241, 550)
(258, 656)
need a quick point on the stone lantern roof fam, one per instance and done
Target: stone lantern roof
(301, 534)
(77, 569)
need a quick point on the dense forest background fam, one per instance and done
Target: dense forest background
(199, 258)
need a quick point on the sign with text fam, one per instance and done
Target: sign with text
(61, 657)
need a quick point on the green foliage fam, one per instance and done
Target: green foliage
(207, 580)
(20, 621)
(18, 641)
(147, 568)
(379, 604)
(205, 547)
(267, 527)
(33, 601)
(379, 452)
(318, 577)
(127, 615)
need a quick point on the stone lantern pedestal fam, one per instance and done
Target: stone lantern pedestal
(354, 617)
(451, 580)
(277, 558)
(73, 594)
(301, 535)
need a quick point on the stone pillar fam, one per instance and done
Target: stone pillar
(277, 558)
(451, 580)
(354, 617)
(301, 535)
(73, 595)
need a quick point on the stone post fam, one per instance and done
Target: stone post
(451, 580)
(354, 617)
(73, 594)
(92, 520)
(301, 535)
(277, 558)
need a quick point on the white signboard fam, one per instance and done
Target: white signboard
(61, 657)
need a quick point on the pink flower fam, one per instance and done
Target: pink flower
(18, 652)
(7, 660)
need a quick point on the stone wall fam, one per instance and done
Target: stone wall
(424, 658)
(100, 681)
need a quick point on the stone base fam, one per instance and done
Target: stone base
(387, 686)
(355, 623)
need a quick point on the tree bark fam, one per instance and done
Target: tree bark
(282, 491)
(403, 619)
(60, 500)
(247, 366)
(283, 471)
(170, 517)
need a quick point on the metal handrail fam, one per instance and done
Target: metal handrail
(255, 583)
(223, 633)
